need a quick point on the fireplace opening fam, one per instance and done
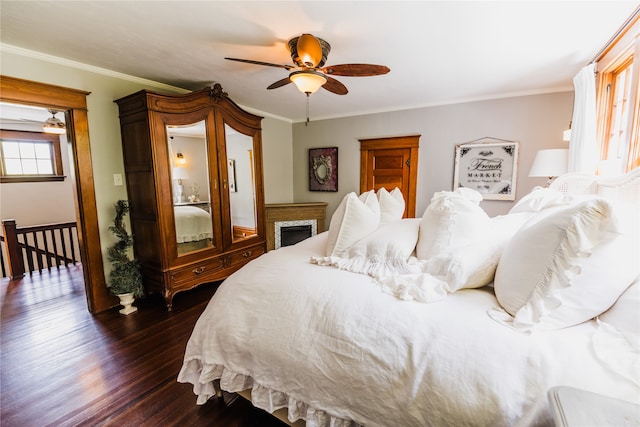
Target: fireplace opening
(293, 234)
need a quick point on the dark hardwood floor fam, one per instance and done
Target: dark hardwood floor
(62, 366)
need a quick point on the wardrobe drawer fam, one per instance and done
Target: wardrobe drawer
(245, 255)
(197, 272)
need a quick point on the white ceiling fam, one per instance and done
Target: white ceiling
(439, 52)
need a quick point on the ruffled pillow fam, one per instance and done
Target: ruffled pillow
(354, 218)
(474, 265)
(450, 249)
(384, 252)
(616, 341)
(391, 204)
(624, 315)
(452, 219)
(565, 266)
(470, 265)
(538, 199)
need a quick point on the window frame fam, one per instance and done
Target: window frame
(622, 51)
(26, 136)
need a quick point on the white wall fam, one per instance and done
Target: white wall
(536, 121)
(277, 159)
(35, 203)
(104, 130)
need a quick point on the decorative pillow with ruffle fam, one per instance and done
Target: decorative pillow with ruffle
(537, 199)
(452, 219)
(566, 266)
(385, 252)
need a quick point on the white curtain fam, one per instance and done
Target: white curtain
(583, 149)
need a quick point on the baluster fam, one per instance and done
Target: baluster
(14, 254)
(45, 250)
(55, 246)
(36, 245)
(72, 243)
(28, 251)
(63, 243)
(2, 250)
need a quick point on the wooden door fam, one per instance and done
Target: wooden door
(390, 163)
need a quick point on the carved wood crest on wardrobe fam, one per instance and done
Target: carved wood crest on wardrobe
(193, 166)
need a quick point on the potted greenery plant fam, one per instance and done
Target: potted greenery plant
(126, 277)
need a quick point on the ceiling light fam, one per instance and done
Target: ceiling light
(54, 125)
(309, 50)
(308, 81)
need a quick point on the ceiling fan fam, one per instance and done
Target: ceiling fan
(49, 125)
(309, 54)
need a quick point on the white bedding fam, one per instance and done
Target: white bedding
(192, 224)
(336, 349)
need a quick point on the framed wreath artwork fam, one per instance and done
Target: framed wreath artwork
(323, 169)
(491, 168)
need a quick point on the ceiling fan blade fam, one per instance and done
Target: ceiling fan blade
(268, 64)
(279, 83)
(334, 86)
(20, 121)
(356, 70)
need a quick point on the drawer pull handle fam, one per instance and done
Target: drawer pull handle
(247, 254)
(198, 270)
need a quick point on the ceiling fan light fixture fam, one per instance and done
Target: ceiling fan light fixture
(54, 125)
(308, 81)
(309, 50)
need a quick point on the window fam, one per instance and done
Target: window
(618, 102)
(30, 157)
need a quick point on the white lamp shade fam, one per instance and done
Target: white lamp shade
(180, 173)
(550, 163)
(308, 81)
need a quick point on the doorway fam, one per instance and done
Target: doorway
(73, 103)
(390, 163)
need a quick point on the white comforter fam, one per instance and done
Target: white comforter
(333, 347)
(192, 224)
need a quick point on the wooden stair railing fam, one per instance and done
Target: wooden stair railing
(41, 246)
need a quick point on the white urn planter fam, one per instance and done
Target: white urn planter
(126, 300)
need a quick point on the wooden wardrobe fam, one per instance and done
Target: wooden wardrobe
(193, 166)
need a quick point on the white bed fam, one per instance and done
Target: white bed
(339, 348)
(194, 229)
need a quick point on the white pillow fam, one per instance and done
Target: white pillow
(354, 218)
(504, 227)
(474, 265)
(469, 194)
(624, 315)
(565, 266)
(384, 252)
(391, 204)
(538, 199)
(452, 219)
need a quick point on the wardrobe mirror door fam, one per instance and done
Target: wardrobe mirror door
(241, 184)
(190, 187)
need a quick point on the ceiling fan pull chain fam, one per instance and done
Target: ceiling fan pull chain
(307, 122)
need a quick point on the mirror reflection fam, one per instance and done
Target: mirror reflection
(241, 184)
(190, 187)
